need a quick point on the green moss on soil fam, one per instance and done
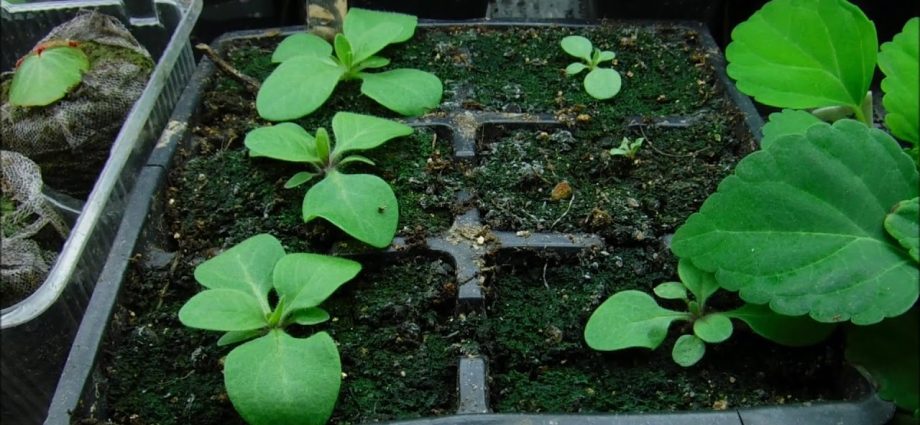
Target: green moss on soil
(533, 333)
(392, 325)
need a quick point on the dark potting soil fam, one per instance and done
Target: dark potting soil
(532, 331)
(393, 326)
(397, 335)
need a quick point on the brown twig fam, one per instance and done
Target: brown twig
(250, 83)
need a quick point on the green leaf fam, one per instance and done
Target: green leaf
(370, 31)
(794, 331)
(246, 267)
(322, 145)
(900, 62)
(409, 92)
(671, 291)
(800, 226)
(343, 50)
(629, 319)
(605, 56)
(285, 141)
(301, 44)
(575, 68)
(309, 316)
(889, 352)
(279, 380)
(354, 132)
(700, 283)
(223, 310)
(577, 46)
(299, 179)
(785, 123)
(804, 54)
(374, 62)
(603, 83)
(234, 337)
(306, 280)
(902, 224)
(688, 350)
(297, 87)
(362, 205)
(356, 158)
(44, 78)
(713, 328)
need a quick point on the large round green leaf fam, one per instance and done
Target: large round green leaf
(281, 380)
(45, 77)
(297, 87)
(369, 31)
(629, 319)
(899, 60)
(409, 92)
(799, 225)
(889, 352)
(784, 123)
(713, 328)
(306, 280)
(577, 46)
(362, 205)
(603, 83)
(804, 54)
(246, 267)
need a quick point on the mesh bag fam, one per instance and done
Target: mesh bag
(70, 139)
(25, 213)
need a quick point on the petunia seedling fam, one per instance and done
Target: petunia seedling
(600, 83)
(631, 319)
(272, 378)
(628, 148)
(362, 205)
(311, 69)
(48, 73)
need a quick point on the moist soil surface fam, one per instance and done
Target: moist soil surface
(396, 325)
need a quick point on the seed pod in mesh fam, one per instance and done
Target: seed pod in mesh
(29, 227)
(70, 139)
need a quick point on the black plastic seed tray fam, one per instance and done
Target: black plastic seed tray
(469, 244)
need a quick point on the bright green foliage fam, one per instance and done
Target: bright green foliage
(799, 225)
(900, 62)
(362, 205)
(309, 71)
(688, 349)
(628, 148)
(889, 351)
(48, 74)
(805, 54)
(631, 319)
(600, 83)
(784, 123)
(274, 379)
(902, 224)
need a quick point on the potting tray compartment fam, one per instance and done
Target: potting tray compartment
(465, 240)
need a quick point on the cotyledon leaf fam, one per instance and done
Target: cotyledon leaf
(47, 76)
(799, 225)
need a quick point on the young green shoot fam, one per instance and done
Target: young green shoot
(600, 83)
(628, 148)
(362, 205)
(310, 69)
(272, 378)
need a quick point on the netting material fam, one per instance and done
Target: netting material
(70, 139)
(23, 263)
